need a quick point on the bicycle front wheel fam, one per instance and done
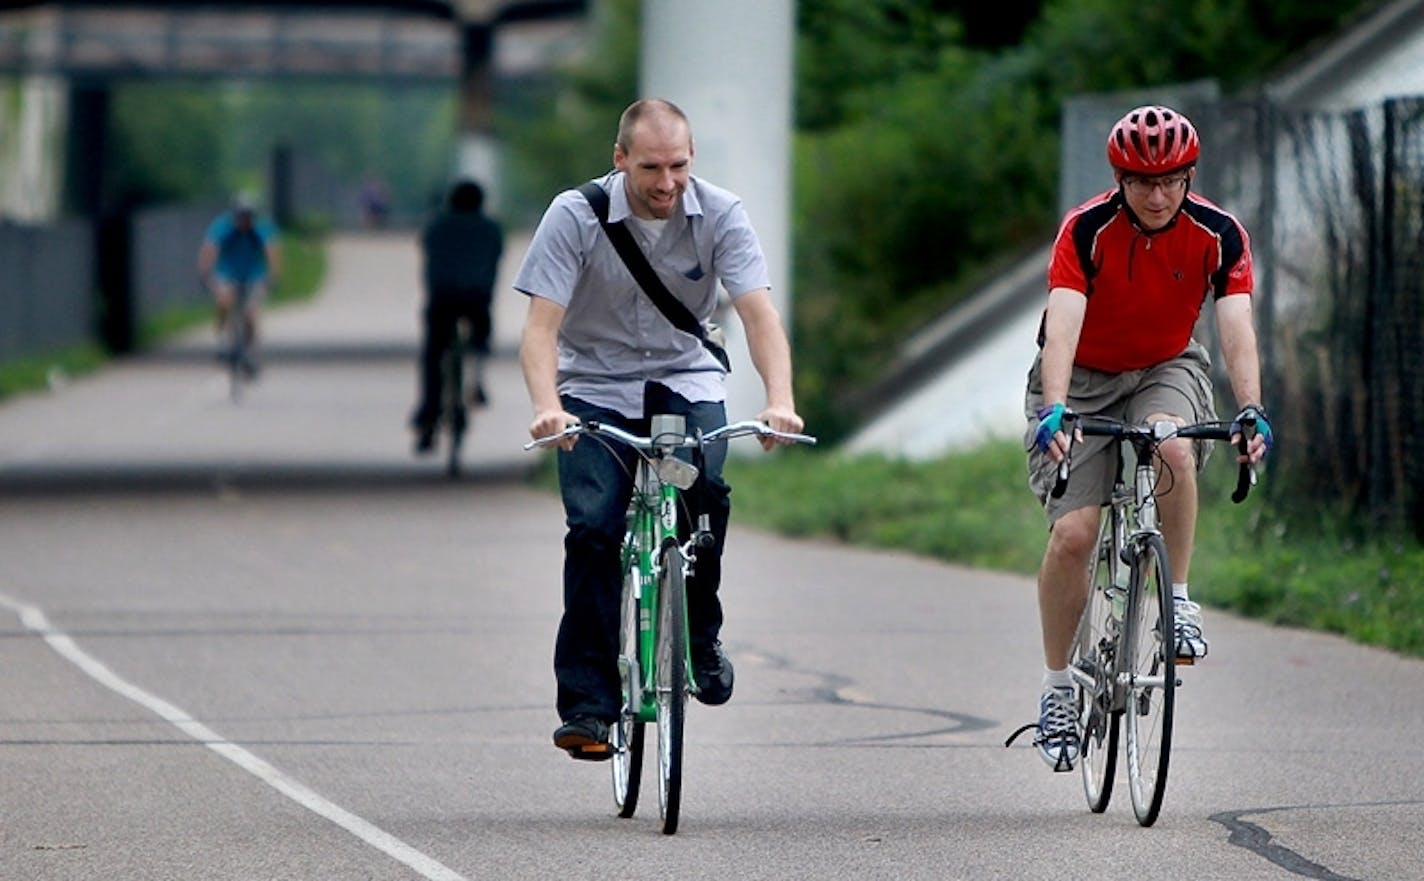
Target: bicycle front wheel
(1151, 665)
(627, 734)
(1093, 667)
(452, 406)
(670, 664)
(236, 354)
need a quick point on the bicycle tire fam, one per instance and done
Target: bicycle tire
(628, 733)
(236, 349)
(452, 408)
(670, 668)
(1151, 662)
(1095, 673)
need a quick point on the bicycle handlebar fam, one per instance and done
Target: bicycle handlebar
(648, 444)
(1151, 436)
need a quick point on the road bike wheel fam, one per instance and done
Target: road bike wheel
(1094, 674)
(236, 352)
(1151, 662)
(627, 734)
(670, 666)
(452, 408)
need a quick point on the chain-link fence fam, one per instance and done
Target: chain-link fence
(1334, 202)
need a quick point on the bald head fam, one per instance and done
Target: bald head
(655, 115)
(654, 151)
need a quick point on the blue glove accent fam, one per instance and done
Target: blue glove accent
(1263, 426)
(1050, 422)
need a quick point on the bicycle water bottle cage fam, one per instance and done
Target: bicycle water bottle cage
(669, 432)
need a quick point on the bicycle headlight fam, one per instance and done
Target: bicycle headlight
(677, 472)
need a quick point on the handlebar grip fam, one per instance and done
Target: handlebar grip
(1246, 474)
(1061, 484)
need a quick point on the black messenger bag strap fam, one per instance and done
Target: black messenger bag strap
(637, 262)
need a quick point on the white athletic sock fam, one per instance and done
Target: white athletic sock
(1057, 678)
(1179, 591)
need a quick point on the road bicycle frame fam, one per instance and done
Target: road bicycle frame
(1124, 656)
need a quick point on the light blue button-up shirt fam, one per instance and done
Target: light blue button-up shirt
(613, 338)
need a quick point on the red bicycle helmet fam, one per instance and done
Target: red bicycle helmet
(1152, 140)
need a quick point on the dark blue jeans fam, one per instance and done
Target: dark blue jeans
(596, 483)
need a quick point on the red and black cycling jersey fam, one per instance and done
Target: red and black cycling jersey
(1145, 289)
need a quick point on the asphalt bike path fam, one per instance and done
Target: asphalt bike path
(263, 641)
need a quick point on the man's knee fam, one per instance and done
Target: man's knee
(1075, 534)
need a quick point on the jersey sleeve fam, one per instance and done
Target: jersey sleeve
(219, 228)
(1238, 276)
(1065, 264)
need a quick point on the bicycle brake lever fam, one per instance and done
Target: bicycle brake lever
(1061, 484)
(1246, 474)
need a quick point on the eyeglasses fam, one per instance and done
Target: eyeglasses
(1143, 186)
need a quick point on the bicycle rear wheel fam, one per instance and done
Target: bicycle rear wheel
(451, 406)
(670, 665)
(1093, 666)
(627, 734)
(1151, 663)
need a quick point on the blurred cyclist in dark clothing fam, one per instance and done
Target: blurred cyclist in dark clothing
(462, 247)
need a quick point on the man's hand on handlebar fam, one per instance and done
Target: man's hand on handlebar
(1050, 438)
(551, 422)
(781, 419)
(1253, 422)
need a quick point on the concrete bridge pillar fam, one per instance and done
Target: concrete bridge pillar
(728, 65)
(478, 147)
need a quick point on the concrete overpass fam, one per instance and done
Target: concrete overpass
(388, 39)
(65, 58)
(68, 55)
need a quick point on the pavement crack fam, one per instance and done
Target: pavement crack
(1259, 841)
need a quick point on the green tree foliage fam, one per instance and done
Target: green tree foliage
(185, 141)
(560, 129)
(403, 134)
(167, 142)
(922, 162)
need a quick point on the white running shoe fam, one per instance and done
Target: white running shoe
(1187, 624)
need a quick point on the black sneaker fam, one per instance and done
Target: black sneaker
(584, 737)
(424, 440)
(712, 673)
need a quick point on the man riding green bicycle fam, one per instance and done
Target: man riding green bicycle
(596, 347)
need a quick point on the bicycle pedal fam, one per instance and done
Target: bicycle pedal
(597, 752)
(1186, 660)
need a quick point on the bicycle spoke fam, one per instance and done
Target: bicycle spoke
(1093, 675)
(627, 734)
(671, 678)
(1152, 670)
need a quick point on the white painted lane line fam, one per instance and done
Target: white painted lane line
(35, 620)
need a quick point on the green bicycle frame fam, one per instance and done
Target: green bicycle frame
(653, 523)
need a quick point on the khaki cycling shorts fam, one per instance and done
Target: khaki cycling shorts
(1180, 387)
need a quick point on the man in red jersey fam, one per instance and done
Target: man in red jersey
(1130, 271)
